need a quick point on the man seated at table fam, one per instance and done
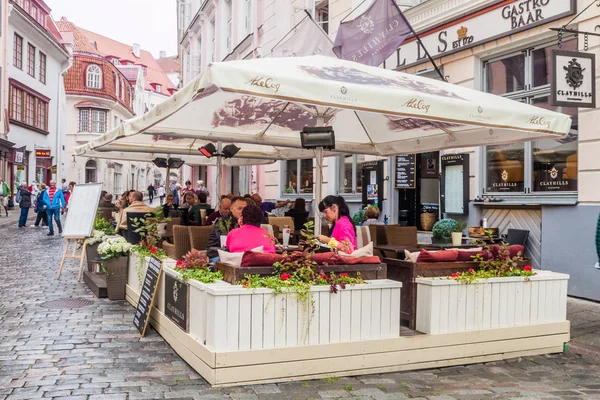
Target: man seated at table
(222, 211)
(106, 201)
(268, 206)
(223, 226)
(137, 205)
(250, 235)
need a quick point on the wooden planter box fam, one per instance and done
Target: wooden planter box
(446, 306)
(233, 274)
(135, 281)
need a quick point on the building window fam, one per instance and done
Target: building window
(118, 178)
(158, 88)
(42, 67)
(34, 12)
(248, 19)
(322, 12)
(26, 6)
(18, 52)
(28, 109)
(116, 84)
(94, 77)
(541, 166)
(92, 120)
(91, 169)
(213, 43)
(122, 89)
(349, 178)
(115, 121)
(298, 174)
(229, 27)
(31, 59)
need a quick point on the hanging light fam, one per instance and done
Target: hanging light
(160, 162)
(230, 150)
(208, 150)
(175, 162)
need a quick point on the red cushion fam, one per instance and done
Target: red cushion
(359, 260)
(329, 258)
(437, 256)
(252, 259)
(513, 250)
(464, 255)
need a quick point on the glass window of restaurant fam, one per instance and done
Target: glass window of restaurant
(298, 176)
(539, 167)
(349, 174)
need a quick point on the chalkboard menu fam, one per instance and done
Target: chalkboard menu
(177, 301)
(146, 301)
(405, 171)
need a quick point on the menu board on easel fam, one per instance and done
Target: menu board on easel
(147, 295)
(455, 184)
(406, 168)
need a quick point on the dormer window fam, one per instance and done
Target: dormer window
(94, 77)
(158, 88)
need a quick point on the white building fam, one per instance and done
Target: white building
(37, 64)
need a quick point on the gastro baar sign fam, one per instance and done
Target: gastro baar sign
(573, 83)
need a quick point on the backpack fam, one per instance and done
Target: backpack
(18, 197)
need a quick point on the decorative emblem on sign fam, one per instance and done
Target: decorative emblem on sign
(418, 141)
(343, 90)
(462, 32)
(479, 109)
(175, 290)
(574, 76)
(491, 132)
(504, 176)
(366, 25)
(553, 173)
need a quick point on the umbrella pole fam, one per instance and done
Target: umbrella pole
(219, 171)
(318, 188)
(168, 182)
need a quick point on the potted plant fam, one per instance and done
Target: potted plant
(442, 230)
(102, 228)
(115, 253)
(458, 233)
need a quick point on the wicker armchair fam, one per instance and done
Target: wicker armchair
(173, 222)
(199, 236)
(280, 222)
(181, 242)
(398, 235)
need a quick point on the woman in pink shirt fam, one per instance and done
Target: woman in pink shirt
(343, 234)
(250, 235)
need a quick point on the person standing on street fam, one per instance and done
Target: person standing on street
(64, 186)
(161, 194)
(4, 196)
(24, 197)
(40, 208)
(151, 191)
(54, 202)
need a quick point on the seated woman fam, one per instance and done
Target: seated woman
(372, 216)
(343, 235)
(189, 199)
(169, 205)
(299, 213)
(250, 235)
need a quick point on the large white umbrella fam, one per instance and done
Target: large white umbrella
(263, 104)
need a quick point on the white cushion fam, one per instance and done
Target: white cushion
(235, 259)
(412, 257)
(469, 249)
(366, 251)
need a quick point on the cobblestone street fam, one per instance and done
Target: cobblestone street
(94, 352)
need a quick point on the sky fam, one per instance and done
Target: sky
(150, 23)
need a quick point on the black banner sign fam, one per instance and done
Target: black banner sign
(405, 171)
(177, 302)
(147, 293)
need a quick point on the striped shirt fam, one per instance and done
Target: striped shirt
(51, 192)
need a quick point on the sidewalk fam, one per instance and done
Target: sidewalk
(13, 218)
(585, 327)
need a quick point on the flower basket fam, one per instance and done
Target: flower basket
(91, 253)
(116, 277)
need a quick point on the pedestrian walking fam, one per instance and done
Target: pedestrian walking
(151, 191)
(24, 199)
(67, 195)
(54, 202)
(64, 185)
(4, 196)
(161, 194)
(40, 208)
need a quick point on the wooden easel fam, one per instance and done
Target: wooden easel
(79, 256)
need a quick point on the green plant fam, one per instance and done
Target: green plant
(443, 228)
(144, 250)
(225, 224)
(382, 388)
(331, 380)
(305, 384)
(348, 388)
(460, 226)
(194, 265)
(148, 227)
(102, 225)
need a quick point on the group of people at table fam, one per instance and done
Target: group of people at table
(240, 219)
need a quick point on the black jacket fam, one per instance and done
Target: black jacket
(25, 198)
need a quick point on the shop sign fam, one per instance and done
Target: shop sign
(20, 168)
(573, 79)
(177, 302)
(42, 153)
(406, 168)
(482, 25)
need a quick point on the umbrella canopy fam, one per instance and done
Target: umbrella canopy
(263, 104)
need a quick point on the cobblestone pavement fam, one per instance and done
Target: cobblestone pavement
(95, 353)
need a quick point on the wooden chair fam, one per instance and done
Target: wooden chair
(199, 236)
(280, 222)
(181, 242)
(516, 236)
(363, 236)
(377, 235)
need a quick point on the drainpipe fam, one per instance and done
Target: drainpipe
(58, 104)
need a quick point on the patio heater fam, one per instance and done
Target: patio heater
(318, 138)
(175, 163)
(209, 150)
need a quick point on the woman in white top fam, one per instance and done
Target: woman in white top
(161, 194)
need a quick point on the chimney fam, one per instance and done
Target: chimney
(136, 50)
(162, 54)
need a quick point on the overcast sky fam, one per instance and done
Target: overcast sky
(151, 23)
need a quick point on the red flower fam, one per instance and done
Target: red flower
(179, 263)
(285, 276)
(344, 274)
(323, 276)
(527, 268)
(471, 271)
(455, 275)
(153, 250)
(245, 284)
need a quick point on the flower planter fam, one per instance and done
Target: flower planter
(91, 253)
(116, 277)
(446, 305)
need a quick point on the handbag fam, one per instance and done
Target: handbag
(11, 203)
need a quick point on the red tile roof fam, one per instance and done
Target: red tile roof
(169, 64)
(94, 43)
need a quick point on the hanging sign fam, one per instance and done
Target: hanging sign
(53, 169)
(573, 79)
(20, 156)
(177, 302)
(405, 171)
(147, 295)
